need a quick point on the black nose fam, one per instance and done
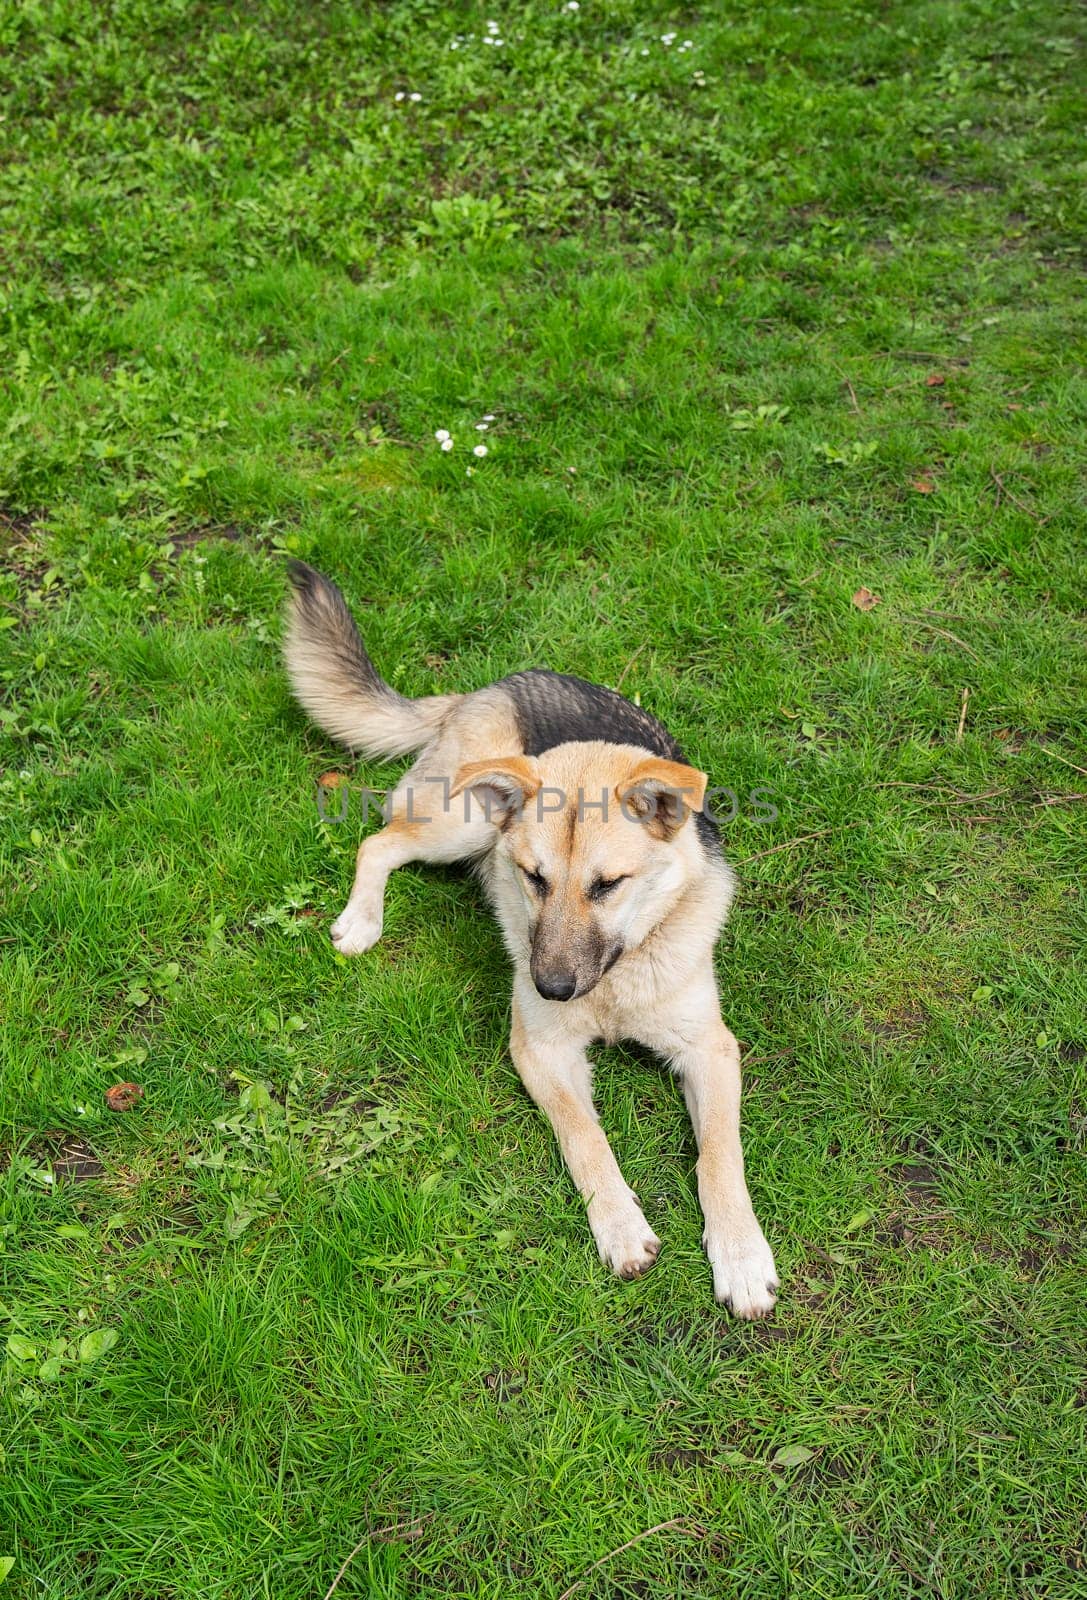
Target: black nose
(556, 986)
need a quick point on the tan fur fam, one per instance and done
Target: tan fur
(373, 723)
(490, 802)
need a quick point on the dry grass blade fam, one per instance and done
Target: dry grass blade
(789, 844)
(401, 1530)
(1028, 511)
(1058, 757)
(962, 716)
(944, 633)
(630, 663)
(694, 1528)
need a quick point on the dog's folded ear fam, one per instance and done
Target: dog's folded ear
(661, 794)
(501, 786)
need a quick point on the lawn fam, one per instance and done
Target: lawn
(789, 313)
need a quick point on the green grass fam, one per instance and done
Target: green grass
(244, 286)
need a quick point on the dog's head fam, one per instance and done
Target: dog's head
(598, 840)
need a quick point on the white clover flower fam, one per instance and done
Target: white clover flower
(645, 52)
(492, 27)
(415, 97)
(468, 471)
(479, 450)
(488, 416)
(441, 434)
(447, 444)
(481, 427)
(572, 5)
(399, 95)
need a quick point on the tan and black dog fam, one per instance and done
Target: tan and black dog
(586, 826)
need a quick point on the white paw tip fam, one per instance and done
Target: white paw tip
(637, 1265)
(352, 934)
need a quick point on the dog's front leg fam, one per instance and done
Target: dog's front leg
(708, 1063)
(557, 1075)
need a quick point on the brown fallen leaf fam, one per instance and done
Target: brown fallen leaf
(123, 1096)
(331, 780)
(865, 600)
(934, 380)
(923, 485)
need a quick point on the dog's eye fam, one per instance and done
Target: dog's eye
(602, 887)
(536, 880)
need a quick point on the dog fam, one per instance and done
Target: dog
(587, 828)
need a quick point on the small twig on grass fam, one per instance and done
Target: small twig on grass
(946, 788)
(758, 1061)
(406, 1530)
(628, 666)
(788, 845)
(1027, 511)
(685, 1523)
(957, 616)
(962, 716)
(849, 386)
(1057, 800)
(944, 634)
(1057, 757)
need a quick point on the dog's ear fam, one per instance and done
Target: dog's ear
(501, 786)
(661, 794)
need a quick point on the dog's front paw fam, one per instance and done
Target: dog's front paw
(626, 1242)
(356, 929)
(744, 1278)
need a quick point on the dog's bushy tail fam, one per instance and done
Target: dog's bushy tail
(335, 681)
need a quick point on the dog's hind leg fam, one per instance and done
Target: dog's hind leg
(424, 825)
(359, 924)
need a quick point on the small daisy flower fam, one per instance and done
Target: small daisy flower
(447, 444)
(415, 97)
(572, 5)
(399, 95)
(442, 435)
(488, 416)
(481, 427)
(479, 450)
